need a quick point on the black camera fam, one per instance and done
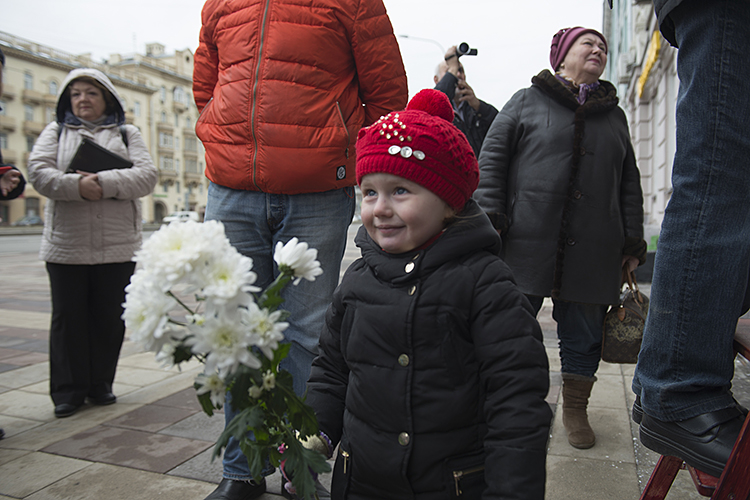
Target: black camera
(463, 49)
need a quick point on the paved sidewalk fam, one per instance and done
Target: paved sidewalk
(156, 442)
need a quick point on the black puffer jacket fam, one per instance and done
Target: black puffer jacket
(560, 181)
(429, 356)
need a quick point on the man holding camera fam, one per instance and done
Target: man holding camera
(473, 116)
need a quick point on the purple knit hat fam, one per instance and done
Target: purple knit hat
(563, 40)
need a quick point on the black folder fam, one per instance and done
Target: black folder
(91, 157)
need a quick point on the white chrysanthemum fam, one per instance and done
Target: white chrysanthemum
(228, 275)
(225, 344)
(255, 392)
(269, 381)
(146, 310)
(214, 384)
(266, 328)
(174, 251)
(300, 259)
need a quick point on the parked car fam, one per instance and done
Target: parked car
(29, 220)
(180, 217)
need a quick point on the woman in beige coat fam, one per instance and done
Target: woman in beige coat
(92, 229)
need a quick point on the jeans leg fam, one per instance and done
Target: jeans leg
(321, 220)
(579, 330)
(701, 271)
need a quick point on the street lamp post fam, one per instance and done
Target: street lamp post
(429, 40)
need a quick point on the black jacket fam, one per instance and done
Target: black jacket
(662, 8)
(429, 356)
(476, 123)
(560, 181)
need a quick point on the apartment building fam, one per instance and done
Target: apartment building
(157, 90)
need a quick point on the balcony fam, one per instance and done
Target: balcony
(50, 100)
(7, 123)
(165, 127)
(10, 156)
(192, 179)
(33, 128)
(32, 96)
(9, 92)
(179, 107)
(167, 177)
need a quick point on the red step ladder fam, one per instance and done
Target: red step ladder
(734, 483)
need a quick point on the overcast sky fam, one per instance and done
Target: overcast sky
(512, 37)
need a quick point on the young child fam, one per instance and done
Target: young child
(431, 375)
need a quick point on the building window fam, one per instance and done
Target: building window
(165, 187)
(3, 141)
(191, 144)
(164, 117)
(176, 143)
(162, 94)
(137, 108)
(28, 112)
(28, 81)
(53, 87)
(188, 122)
(177, 186)
(30, 140)
(177, 165)
(165, 140)
(166, 163)
(49, 114)
(191, 166)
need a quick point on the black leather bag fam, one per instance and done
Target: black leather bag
(623, 325)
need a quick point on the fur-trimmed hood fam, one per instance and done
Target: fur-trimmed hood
(64, 111)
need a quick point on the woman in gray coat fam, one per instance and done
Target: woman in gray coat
(92, 229)
(559, 181)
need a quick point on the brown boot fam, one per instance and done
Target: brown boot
(576, 391)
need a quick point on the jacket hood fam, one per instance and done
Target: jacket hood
(64, 111)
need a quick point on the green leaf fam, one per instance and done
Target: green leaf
(299, 462)
(205, 401)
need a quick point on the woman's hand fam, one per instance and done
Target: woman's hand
(629, 261)
(9, 181)
(89, 186)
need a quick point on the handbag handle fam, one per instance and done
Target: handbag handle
(629, 276)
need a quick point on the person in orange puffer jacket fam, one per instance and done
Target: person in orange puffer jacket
(283, 89)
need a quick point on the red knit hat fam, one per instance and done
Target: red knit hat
(421, 144)
(563, 40)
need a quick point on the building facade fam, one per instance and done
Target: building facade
(644, 68)
(157, 90)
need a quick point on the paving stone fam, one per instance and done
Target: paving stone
(140, 450)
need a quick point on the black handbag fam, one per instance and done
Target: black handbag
(623, 325)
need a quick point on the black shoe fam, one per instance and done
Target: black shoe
(103, 400)
(229, 489)
(704, 442)
(637, 410)
(65, 410)
(321, 493)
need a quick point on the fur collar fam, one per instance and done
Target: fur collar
(601, 100)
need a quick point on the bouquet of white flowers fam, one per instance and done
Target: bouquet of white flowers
(193, 297)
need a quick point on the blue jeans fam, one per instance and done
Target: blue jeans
(579, 331)
(702, 263)
(254, 222)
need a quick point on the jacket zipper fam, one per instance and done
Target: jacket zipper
(255, 90)
(346, 459)
(460, 474)
(343, 123)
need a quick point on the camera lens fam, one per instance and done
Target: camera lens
(463, 48)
